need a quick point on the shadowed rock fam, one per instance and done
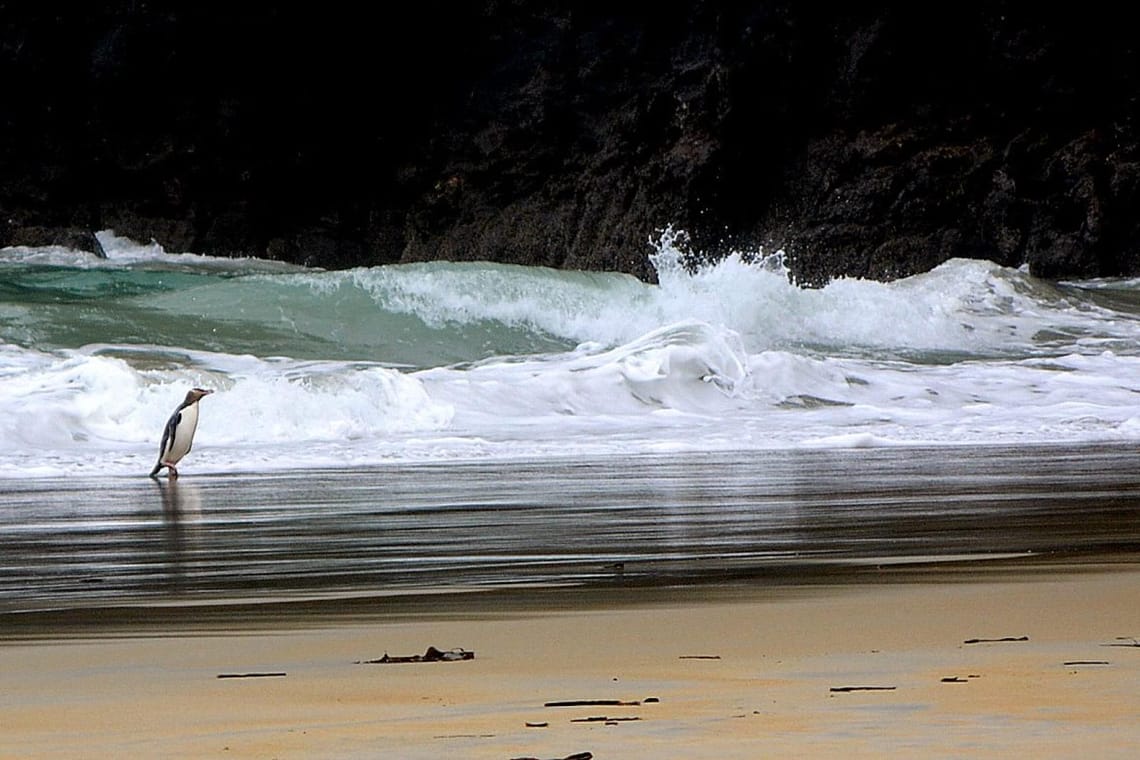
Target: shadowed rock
(873, 143)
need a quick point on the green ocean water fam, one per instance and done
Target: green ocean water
(339, 316)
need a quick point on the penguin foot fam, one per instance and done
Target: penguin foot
(173, 474)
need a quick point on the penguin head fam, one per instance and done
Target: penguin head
(196, 393)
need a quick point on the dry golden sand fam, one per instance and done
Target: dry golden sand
(768, 695)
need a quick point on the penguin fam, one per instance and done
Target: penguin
(178, 436)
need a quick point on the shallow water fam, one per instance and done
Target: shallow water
(90, 543)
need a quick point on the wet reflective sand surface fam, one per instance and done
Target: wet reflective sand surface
(87, 544)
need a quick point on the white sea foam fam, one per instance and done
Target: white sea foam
(729, 356)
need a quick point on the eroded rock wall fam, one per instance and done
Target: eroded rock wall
(865, 143)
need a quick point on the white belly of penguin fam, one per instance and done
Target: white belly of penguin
(183, 435)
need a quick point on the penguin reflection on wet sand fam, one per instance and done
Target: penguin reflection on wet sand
(178, 436)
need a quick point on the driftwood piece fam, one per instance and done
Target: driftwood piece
(846, 689)
(953, 679)
(591, 703)
(992, 641)
(251, 675)
(699, 657)
(604, 719)
(431, 655)
(575, 756)
(1087, 662)
(1123, 641)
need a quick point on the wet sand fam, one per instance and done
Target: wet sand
(739, 671)
(680, 519)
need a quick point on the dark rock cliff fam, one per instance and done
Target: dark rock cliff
(872, 143)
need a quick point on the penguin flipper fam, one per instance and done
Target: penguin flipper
(167, 441)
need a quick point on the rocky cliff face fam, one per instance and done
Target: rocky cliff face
(864, 143)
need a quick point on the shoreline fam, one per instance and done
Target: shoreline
(673, 520)
(737, 671)
(821, 608)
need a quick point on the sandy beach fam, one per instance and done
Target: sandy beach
(740, 671)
